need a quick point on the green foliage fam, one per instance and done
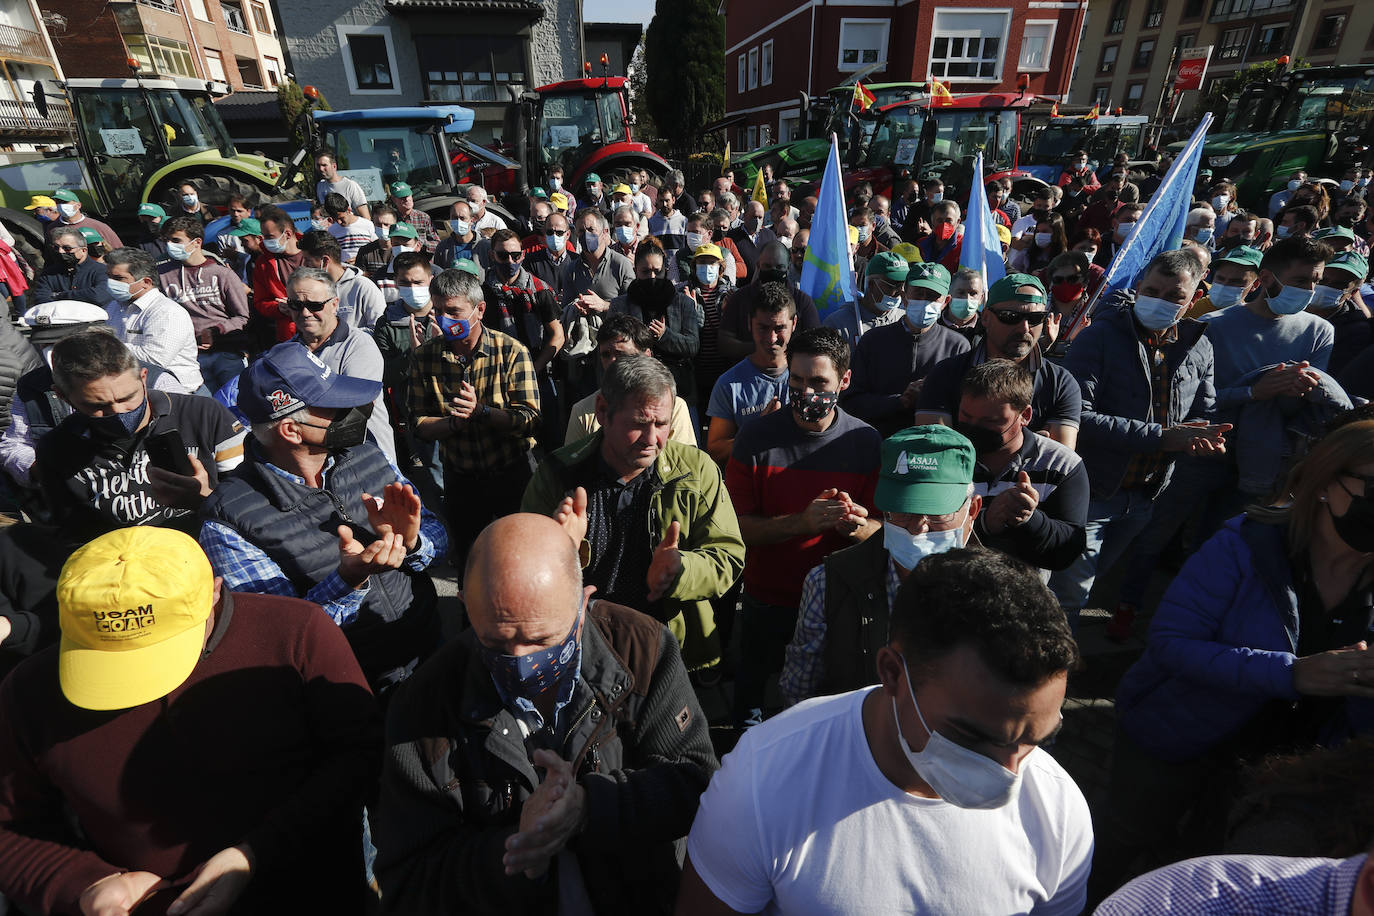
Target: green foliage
(1223, 92)
(292, 101)
(702, 169)
(645, 128)
(685, 52)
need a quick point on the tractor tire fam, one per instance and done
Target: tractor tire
(30, 239)
(215, 189)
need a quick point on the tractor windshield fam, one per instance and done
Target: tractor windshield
(947, 141)
(1054, 143)
(191, 123)
(573, 125)
(1314, 104)
(377, 154)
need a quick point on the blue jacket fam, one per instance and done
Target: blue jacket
(1118, 419)
(1221, 647)
(1272, 435)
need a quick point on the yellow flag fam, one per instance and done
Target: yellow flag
(725, 163)
(760, 192)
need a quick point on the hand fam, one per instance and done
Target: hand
(1196, 438)
(398, 512)
(912, 392)
(657, 327)
(773, 405)
(417, 331)
(465, 404)
(1012, 507)
(591, 303)
(216, 884)
(357, 562)
(1347, 672)
(856, 516)
(572, 515)
(666, 565)
(1292, 380)
(1023, 240)
(548, 819)
(824, 512)
(117, 895)
(178, 490)
(1052, 321)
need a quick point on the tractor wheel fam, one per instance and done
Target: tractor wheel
(215, 190)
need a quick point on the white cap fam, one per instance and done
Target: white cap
(63, 311)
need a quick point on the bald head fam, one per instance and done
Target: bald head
(522, 585)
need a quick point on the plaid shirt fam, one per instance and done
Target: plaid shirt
(424, 228)
(1144, 467)
(501, 371)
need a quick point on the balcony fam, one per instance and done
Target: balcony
(23, 43)
(167, 6)
(233, 19)
(23, 118)
(1231, 10)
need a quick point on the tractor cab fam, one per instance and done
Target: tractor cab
(576, 118)
(379, 146)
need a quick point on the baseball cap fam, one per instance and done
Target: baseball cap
(926, 470)
(621, 189)
(853, 235)
(69, 196)
(400, 189)
(887, 264)
(1353, 263)
(132, 606)
(404, 230)
(909, 252)
(592, 178)
(1243, 255)
(247, 226)
(63, 311)
(1007, 290)
(289, 377)
(152, 210)
(1334, 232)
(559, 200)
(91, 236)
(40, 200)
(1003, 234)
(929, 275)
(467, 266)
(539, 194)
(708, 251)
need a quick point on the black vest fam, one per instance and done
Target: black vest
(296, 525)
(856, 615)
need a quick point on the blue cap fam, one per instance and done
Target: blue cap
(289, 377)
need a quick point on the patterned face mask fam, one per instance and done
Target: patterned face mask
(812, 406)
(531, 676)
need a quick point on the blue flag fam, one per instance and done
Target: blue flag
(982, 248)
(1159, 228)
(827, 275)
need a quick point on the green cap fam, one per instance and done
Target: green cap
(91, 236)
(539, 194)
(400, 189)
(69, 196)
(1334, 232)
(1353, 263)
(592, 178)
(929, 275)
(926, 470)
(1007, 289)
(152, 210)
(404, 230)
(467, 266)
(248, 226)
(888, 265)
(1243, 255)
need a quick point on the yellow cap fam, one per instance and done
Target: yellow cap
(132, 607)
(708, 251)
(909, 252)
(853, 235)
(621, 189)
(1004, 234)
(559, 200)
(41, 200)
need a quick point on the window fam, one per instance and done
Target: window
(1232, 45)
(766, 66)
(968, 46)
(742, 74)
(1236, 9)
(472, 68)
(1271, 40)
(1154, 14)
(198, 8)
(215, 65)
(742, 141)
(369, 59)
(1185, 41)
(862, 42)
(1135, 95)
(260, 20)
(752, 136)
(273, 71)
(753, 68)
(249, 72)
(787, 126)
(1100, 95)
(1117, 24)
(1144, 53)
(1037, 42)
(1192, 9)
(1328, 34)
(161, 55)
(1108, 62)
(233, 18)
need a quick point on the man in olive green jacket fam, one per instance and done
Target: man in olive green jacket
(654, 524)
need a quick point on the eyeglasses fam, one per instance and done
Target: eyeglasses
(69, 248)
(559, 233)
(1071, 278)
(297, 305)
(508, 256)
(1014, 316)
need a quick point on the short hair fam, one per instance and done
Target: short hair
(624, 326)
(408, 259)
(727, 199)
(635, 377)
(718, 214)
(946, 208)
(1000, 380)
(335, 203)
(326, 154)
(1075, 259)
(647, 247)
(1043, 194)
(592, 213)
(1086, 235)
(194, 228)
(318, 244)
(968, 273)
(1200, 214)
(188, 184)
(273, 213)
(140, 263)
(69, 232)
(1293, 250)
(862, 214)
(1125, 208)
(932, 183)
(502, 235)
(480, 191)
(383, 210)
(1301, 213)
(1177, 262)
(989, 602)
(774, 297)
(456, 284)
(625, 209)
(821, 341)
(302, 274)
(88, 355)
(673, 178)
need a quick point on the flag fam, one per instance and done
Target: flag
(982, 248)
(1094, 114)
(725, 163)
(827, 274)
(1054, 110)
(862, 97)
(1159, 228)
(760, 192)
(939, 93)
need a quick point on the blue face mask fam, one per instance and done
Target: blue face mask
(1289, 300)
(119, 425)
(177, 251)
(118, 290)
(529, 677)
(454, 328)
(922, 313)
(1204, 235)
(1155, 314)
(1224, 296)
(961, 308)
(907, 549)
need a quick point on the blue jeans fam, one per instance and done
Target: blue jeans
(1112, 524)
(216, 368)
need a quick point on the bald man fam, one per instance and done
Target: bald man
(548, 758)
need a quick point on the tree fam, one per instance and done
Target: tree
(292, 101)
(685, 52)
(645, 129)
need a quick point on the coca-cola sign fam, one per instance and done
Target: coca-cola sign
(1192, 68)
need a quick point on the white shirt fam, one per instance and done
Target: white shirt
(350, 189)
(799, 819)
(158, 330)
(643, 206)
(490, 221)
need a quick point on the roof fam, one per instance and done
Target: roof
(990, 100)
(456, 118)
(160, 82)
(249, 104)
(599, 82)
(533, 7)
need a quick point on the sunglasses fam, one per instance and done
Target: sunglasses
(1071, 278)
(559, 233)
(508, 256)
(1013, 316)
(297, 305)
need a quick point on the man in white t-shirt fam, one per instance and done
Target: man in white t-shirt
(331, 182)
(928, 793)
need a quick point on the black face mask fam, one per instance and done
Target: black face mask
(985, 441)
(651, 293)
(1356, 527)
(68, 258)
(118, 427)
(772, 275)
(349, 429)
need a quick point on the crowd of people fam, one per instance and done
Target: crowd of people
(235, 467)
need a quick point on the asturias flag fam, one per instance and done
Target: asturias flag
(827, 275)
(862, 97)
(982, 249)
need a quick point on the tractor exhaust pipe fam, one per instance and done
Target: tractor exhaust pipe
(522, 141)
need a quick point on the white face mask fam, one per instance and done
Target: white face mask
(461, 227)
(964, 778)
(907, 549)
(274, 245)
(188, 200)
(414, 298)
(68, 211)
(694, 240)
(624, 235)
(1220, 201)
(786, 241)
(1043, 239)
(555, 183)
(383, 231)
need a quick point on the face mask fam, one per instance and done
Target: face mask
(1224, 296)
(936, 198)
(529, 677)
(624, 235)
(964, 778)
(707, 274)
(188, 200)
(1283, 232)
(348, 430)
(960, 308)
(1347, 184)
(1294, 185)
(786, 241)
(1204, 234)
(118, 290)
(120, 425)
(772, 275)
(1356, 527)
(812, 406)
(1124, 231)
(1067, 292)
(1043, 239)
(944, 232)
(555, 183)
(461, 227)
(1220, 201)
(69, 258)
(908, 549)
(383, 231)
(1326, 297)
(985, 441)
(591, 241)
(42, 217)
(414, 298)
(68, 211)
(1155, 314)
(274, 245)
(634, 188)
(887, 303)
(655, 292)
(512, 268)
(320, 224)
(1289, 300)
(922, 313)
(454, 328)
(177, 251)
(864, 233)
(694, 240)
